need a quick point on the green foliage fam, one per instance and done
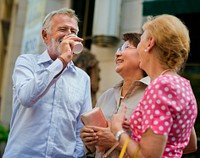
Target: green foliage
(3, 133)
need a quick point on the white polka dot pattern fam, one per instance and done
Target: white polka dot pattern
(168, 107)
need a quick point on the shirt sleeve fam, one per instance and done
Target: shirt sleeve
(158, 107)
(30, 85)
(87, 105)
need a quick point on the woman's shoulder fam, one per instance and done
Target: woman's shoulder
(107, 93)
(170, 80)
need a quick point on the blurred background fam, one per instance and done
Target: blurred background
(102, 23)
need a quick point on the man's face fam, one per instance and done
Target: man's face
(62, 25)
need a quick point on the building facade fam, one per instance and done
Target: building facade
(23, 26)
(102, 23)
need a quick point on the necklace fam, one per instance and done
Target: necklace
(162, 73)
(121, 97)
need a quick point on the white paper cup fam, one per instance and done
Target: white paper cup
(78, 47)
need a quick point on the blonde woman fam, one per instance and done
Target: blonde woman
(162, 124)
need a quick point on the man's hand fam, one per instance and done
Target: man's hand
(66, 47)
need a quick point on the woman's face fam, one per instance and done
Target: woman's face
(127, 59)
(142, 50)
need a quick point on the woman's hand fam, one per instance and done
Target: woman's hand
(105, 137)
(126, 125)
(118, 120)
(89, 138)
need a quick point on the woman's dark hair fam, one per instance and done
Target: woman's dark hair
(134, 39)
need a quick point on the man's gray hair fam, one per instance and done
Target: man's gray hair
(47, 20)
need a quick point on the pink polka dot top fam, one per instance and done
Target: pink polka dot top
(169, 108)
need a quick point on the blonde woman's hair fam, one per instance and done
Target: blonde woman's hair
(47, 23)
(171, 39)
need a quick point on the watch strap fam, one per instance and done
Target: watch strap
(118, 134)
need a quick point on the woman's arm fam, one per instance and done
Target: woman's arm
(192, 145)
(151, 145)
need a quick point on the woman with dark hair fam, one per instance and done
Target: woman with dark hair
(126, 93)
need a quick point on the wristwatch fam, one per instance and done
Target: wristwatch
(118, 134)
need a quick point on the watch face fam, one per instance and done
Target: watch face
(117, 135)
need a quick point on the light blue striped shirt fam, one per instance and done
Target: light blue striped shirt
(46, 110)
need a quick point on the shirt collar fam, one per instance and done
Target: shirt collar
(145, 80)
(44, 57)
(71, 65)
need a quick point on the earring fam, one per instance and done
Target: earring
(145, 50)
